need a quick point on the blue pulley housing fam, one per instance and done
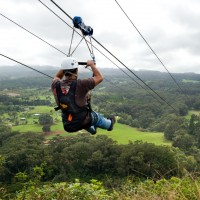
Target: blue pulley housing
(78, 23)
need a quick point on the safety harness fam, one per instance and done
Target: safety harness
(72, 114)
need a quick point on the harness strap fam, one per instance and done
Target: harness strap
(59, 92)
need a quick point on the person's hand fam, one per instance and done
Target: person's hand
(90, 63)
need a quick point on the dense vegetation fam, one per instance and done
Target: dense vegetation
(32, 167)
(26, 161)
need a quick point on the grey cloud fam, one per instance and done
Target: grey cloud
(186, 17)
(116, 39)
(186, 41)
(189, 42)
(125, 43)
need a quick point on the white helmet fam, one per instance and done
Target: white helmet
(69, 63)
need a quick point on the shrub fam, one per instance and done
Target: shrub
(66, 191)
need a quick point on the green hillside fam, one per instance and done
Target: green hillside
(164, 165)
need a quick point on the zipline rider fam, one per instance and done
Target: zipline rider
(71, 95)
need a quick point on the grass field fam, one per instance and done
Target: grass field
(196, 112)
(27, 128)
(41, 109)
(121, 133)
(189, 81)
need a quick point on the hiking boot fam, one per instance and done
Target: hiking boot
(113, 120)
(95, 131)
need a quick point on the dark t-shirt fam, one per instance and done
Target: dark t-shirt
(82, 89)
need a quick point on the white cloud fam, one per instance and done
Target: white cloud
(170, 27)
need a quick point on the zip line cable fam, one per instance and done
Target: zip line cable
(135, 75)
(120, 62)
(41, 72)
(66, 54)
(50, 78)
(25, 65)
(17, 24)
(102, 46)
(73, 50)
(60, 9)
(33, 34)
(112, 55)
(150, 48)
(121, 89)
(97, 48)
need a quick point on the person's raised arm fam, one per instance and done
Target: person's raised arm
(59, 75)
(97, 76)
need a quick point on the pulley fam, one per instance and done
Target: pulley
(78, 23)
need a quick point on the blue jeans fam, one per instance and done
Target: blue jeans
(98, 121)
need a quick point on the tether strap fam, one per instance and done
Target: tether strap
(69, 53)
(58, 90)
(71, 42)
(90, 50)
(76, 46)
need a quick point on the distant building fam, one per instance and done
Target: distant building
(36, 115)
(22, 118)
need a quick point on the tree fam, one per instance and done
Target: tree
(2, 162)
(174, 125)
(45, 119)
(183, 141)
(46, 128)
(170, 130)
(22, 152)
(192, 124)
(194, 128)
(147, 160)
(146, 119)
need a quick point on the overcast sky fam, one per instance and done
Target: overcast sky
(171, 27)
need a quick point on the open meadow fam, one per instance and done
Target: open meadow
(121, 133)
(192, 112)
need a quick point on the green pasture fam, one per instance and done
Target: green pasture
(28, 128)
(123, 134)
(41, 109)
(191, 112)
(190, 81)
